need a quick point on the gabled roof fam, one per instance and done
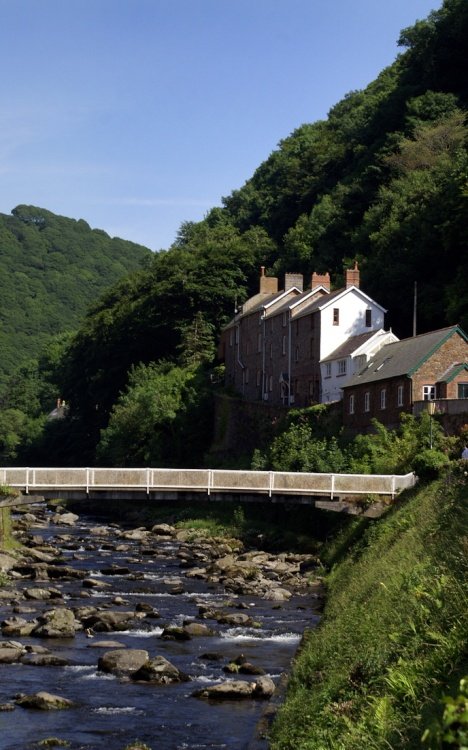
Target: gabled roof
(335, 296)
(260, 302)
(403, 357)
(451, 372)
(351, 345)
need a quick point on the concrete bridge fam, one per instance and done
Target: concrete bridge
(321, 490)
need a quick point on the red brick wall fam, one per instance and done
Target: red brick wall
(455, 349)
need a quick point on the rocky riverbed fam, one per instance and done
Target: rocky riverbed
(113, 634)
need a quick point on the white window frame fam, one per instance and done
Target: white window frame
(383, 398)
(351, 403)
(341, 367)
(328, 370)
(429, 392)
(400, 395)
(367, 401)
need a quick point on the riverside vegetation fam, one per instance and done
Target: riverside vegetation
(383, 179)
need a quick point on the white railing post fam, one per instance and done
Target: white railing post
(271, 484)
(210, 481)
(332, 488)
(87, 480)
(147, 481)
(393, 486)
(27, 482)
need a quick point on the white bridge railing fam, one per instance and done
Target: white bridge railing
(86, 480)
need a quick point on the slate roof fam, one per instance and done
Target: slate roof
(350, 346)
(403, 357)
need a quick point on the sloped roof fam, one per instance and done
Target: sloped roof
(350, 346)
(452, 371)
(403, 357)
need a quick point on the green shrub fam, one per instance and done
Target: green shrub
(429, 463)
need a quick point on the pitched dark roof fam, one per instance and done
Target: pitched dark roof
(452, 371)
(403, 357)
(349, 346)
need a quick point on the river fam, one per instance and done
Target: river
(111, 712)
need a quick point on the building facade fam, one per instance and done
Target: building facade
(277, 345)
(422, 368)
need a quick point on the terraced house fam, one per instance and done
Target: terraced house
(299, 346)
(405, 375)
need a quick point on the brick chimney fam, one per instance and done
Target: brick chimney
(320, 279)
(268, 284)
(293, 279)
(352, 276)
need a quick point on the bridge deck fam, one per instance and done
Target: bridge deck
(162, 483)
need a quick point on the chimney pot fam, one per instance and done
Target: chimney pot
(352, 276)
(320, 279)
(293, 279)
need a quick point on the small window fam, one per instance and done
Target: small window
(328, 370)
(283, 345)
(285, 318)
(368, 318)
(383, 398)
(259, 342)
(351, 404)
(429, 392)
(400, 396)
(367, 401)
(462, 390)
(341, 367)
(336, 316)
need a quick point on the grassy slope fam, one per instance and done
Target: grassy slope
(393, 636)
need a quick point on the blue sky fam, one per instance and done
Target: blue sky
(137, 115)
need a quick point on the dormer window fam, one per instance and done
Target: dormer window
(368, 318)
(336, 316)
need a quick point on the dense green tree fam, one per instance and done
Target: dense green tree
(148, 424)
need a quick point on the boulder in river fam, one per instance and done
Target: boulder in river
(10, 651)
(160, 671)
(123, 661)
(65, 519)
(44, 701)
(107, 621)
(57, 623)
(18, 627)
(236, 690)
(42, 594)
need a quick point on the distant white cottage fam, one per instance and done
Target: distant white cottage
(296, 347)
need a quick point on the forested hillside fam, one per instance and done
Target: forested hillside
(384, 180)
(51, 268)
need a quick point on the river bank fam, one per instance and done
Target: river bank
(80, 592)
(392, 641)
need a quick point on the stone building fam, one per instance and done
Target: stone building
(275, 345)
(429, 367)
